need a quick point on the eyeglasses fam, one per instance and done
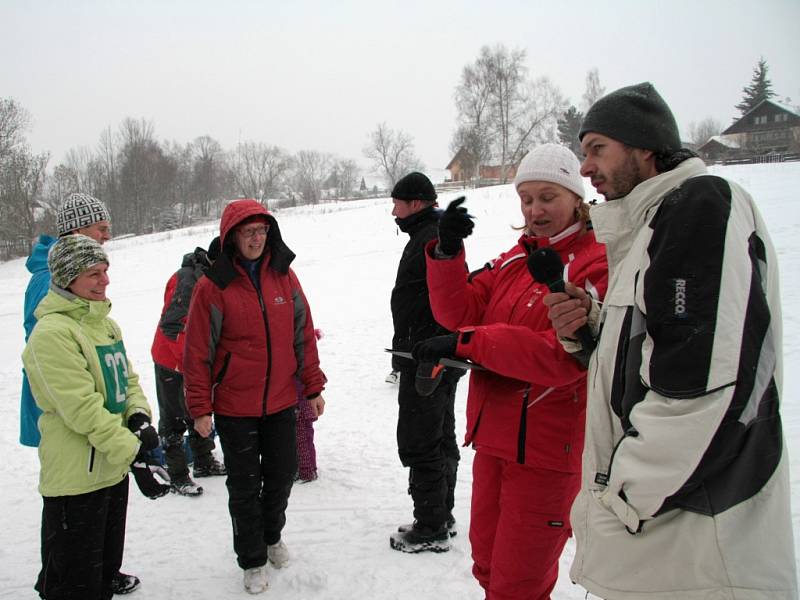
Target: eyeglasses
(249, 232)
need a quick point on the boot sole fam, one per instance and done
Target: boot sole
(187, 494)
(438, 546)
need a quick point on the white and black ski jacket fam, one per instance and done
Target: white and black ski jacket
(685, 490)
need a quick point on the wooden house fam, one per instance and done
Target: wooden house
(770, 127)
(462, 168)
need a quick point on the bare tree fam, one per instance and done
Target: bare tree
(346, 171)
(594, 91)
(501, 111)
(535, 119)
(392, 153)
(77, 168)
(309, 170)
(107, 154)
(258, 169)
(14, 122)
(473, 99)
(208, 170)
(507, 76)
(146, 178)
(22, 176)
(700, 133)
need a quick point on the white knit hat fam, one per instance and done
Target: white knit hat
(79, 211)
(553, 163)
(70, 256)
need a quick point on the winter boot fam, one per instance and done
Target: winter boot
(421, 539)
(255, 580)
(124, 584)
(185, 487)
(278, 554)
(450, 525)
(208, 466)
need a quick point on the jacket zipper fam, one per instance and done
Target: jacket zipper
(523, 427)
(269, 350)
(605, 478)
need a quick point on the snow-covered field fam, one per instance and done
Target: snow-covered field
(338, 526)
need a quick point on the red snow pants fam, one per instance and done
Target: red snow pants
(518, 527)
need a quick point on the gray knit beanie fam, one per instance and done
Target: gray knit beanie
(553, 163)
(636, 116)
(78, 211)
(70, 256)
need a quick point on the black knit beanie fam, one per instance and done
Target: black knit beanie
(636, 116)
(414, 186)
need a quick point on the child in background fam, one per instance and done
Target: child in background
(306, 453)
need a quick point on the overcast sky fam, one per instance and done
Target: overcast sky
(322, 75)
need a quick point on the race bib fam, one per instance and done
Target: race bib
(114, 364)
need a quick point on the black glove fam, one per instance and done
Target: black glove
(454, 225)
(139, 424)
(432, 349)
(144, 473)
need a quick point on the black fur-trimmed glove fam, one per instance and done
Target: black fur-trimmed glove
(455, 224)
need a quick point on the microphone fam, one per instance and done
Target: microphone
(545, 266)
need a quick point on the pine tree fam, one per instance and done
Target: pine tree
(569, 125)
(760, 88)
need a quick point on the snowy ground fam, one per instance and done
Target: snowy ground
(338, 526)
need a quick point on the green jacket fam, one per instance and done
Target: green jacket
(86, 387)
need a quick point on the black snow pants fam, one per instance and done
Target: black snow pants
(261, 460)
(173, 422)
(426, 442)
(83, 538)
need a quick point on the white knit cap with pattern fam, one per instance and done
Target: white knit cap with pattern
(553, 163)
(78, 211)
(70, 256)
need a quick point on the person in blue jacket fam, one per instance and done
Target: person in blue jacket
(37, 288)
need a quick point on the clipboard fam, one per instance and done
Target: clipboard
(447, 362)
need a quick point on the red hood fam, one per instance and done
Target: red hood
(236, 212)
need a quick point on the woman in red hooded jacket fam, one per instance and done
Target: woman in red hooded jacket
(525, 411)
(249, 335)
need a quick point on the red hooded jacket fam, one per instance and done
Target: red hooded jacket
(529, 404)
(244, 346)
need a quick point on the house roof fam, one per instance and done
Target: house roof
(784, 107)
(455, 158)
(722, 141)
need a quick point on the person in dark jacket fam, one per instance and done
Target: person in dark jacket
(167, 353)
(426, 439)
(249, 336)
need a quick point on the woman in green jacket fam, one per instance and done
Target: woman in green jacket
(95, 426)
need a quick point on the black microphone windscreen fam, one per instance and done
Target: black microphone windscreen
(545, 266)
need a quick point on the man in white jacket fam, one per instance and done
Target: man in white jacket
(685, 490)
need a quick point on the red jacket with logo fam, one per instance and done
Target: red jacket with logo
(244, 346)
(529, 404)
